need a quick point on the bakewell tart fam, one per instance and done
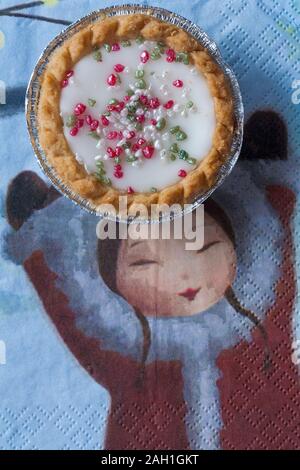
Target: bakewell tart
(134, 105)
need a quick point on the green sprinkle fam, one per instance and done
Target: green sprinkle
(182, 57)
(139, 40)
(131, 158)
(106, 180)
(94, 135)
(183, 155)
(131, 107)
(189, 104)
(131, 117)
(97, 55)
(140, 84)
(106, 113)
(172, 157)
(71, 121)
(139, 73)
(100, 172)
(126, 145)
(99, 164)
(174, 129)
(161, 47)
(155, 54)
(107, 47)
(192, 161)
(138, 126)
(125, 43)
(113, 101)
(174, 148)
(117, 160)
(118, 78)
(180, 135)
(91, 102)
(153, 190)
(185, 58)
(161, 124)
(129, 92)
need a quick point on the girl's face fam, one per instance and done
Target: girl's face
(161, 278)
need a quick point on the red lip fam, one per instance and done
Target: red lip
(189, 293)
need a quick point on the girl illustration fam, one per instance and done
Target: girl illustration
(148, 319)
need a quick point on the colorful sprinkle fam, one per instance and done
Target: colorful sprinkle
(97, 55)
(178, 83)
(107, 47)
(74, 131)
(145, 56)
(79, 109)
(91, 102)
(169, 104)
(71, 121)
(115, 47)
(119, 68)
(148, 151)
(112, 80)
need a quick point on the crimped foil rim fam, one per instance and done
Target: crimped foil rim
(33, 94)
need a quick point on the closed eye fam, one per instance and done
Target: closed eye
(143, 262)
(207, 246)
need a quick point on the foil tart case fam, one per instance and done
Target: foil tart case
(33, 95)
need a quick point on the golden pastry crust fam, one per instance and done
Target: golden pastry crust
(110, 30)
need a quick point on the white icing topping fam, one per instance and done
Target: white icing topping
(193, 111)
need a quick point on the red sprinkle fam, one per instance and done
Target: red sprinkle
(89, 119)
(69, 73)
(140, 118)
(94, 125)
(182, 173)
(119, 106)
(119, 68)
(148, 151)
(104, 121)
(144, 100)
(126, 98)
(135, 147)
(115, 47)
(130, 190)
(111, 79)
(110, 152)
(154, 103)
(118, 167)
(169, 104)
(118, 151)
(111, 107)
(64, 83)
(112, 135)
(145, 56)
(80, 123)
(178, 83)
(141, 142)
(171, 55)
(74, 131)
(130, 135)
(79, 109)
(153, 122)
(118, 174)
